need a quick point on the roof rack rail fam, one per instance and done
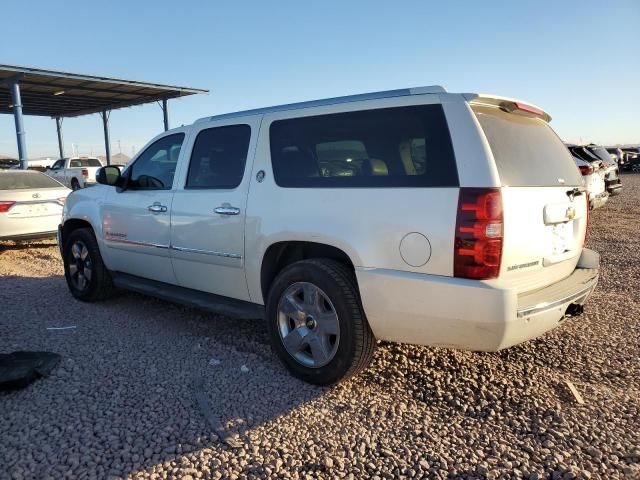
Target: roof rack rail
(331, 101)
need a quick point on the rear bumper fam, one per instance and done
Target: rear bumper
(443, 311)
(599, 200)
(614, 188)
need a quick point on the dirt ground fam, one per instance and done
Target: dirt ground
(147, 389)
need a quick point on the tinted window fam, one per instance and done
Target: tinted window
(26, 180)
(393, 147)
(85, 162)
(58, 165)
(219, 156)
(155, 167)
(601, 153)
(526, 150)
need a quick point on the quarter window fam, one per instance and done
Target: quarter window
(155, 167)
(219, 156)
(392, 147)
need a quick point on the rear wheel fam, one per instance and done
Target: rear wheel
(316, 322)
(85, 272)
(75, 185)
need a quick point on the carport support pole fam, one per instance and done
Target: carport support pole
(20, 133)
(165, 114)
(59, 128)
(105, 124)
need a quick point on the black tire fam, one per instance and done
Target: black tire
(75, 185)
(99, 285)
(356, 344)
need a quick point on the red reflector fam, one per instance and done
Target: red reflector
(586, 169)
(5, 206)
(523, 107)
(61, 200)
(85, 172)
(586, 228)
(479, 234)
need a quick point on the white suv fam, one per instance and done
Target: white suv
(411, 215)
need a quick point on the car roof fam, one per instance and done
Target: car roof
(330, 101)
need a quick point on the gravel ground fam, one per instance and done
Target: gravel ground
(147, 389)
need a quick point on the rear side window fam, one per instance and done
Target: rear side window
(219, 156)
(526, 150)
(392, 147)
(26, 180)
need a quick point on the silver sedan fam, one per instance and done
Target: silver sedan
(30, 205)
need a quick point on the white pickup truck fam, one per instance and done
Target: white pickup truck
(75, 172)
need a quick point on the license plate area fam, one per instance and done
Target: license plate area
(562, 238)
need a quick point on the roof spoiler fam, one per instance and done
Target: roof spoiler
(510, 105)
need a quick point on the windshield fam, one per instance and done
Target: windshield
(26, 180)
(526, 150)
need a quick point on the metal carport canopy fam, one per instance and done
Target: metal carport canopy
(33, 91)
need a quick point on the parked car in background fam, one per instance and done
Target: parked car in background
(598, 168)
(412, 215)
(594, 183)
(7, 163)
(30, 204)
(611, 170)
(632, 155)
(618, 155)
(75, 172)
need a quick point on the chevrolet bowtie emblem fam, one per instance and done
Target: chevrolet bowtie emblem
(571, 213)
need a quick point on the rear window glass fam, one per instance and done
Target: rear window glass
(526, 150)
(392, 147)
(85, 162)
(26, 180)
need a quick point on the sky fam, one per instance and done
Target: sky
(578, 60)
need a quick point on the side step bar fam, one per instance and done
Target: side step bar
(191, 298)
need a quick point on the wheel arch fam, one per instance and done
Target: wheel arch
(73, 224)
(281, 254)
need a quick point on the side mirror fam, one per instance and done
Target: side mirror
(109, 175)
(47, 167)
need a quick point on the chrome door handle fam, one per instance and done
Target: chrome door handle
(157, 208)
(227, 210)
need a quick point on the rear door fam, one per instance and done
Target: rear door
(136, 221)
(209, 208)
(545, 210)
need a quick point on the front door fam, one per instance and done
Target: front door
(57, 171)
(208, 211)
(136, 221)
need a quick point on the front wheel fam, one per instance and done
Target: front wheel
(317, 326)
(87, 277)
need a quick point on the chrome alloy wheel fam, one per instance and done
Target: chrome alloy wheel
(308, 324)
(80, 266)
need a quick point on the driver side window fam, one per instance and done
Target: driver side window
(58, 165)
(155, 167)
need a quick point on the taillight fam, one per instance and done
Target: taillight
(61, 200)
(586, 229)
(523, 107)
(479, 234)
(85, 172)
(586, 169)
(5, 206)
